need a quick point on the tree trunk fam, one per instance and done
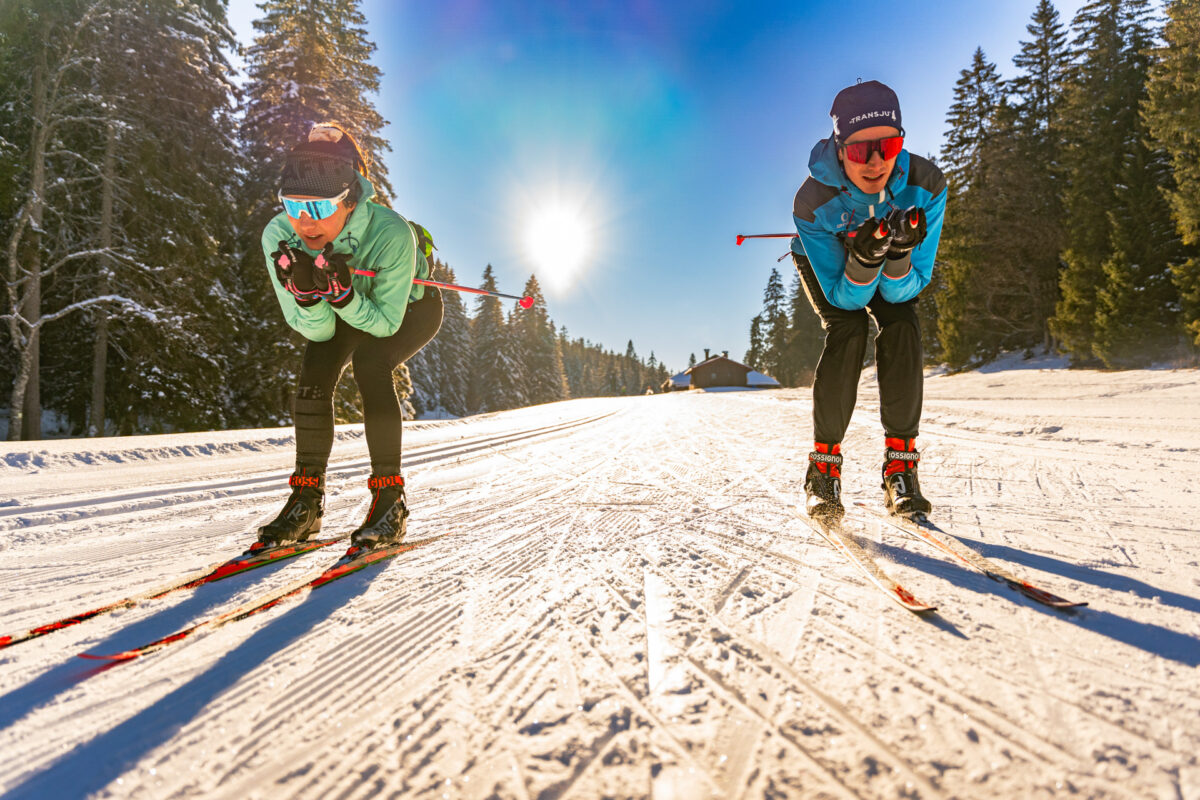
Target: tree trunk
(100, 346)
(25, 413)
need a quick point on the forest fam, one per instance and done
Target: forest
(137, 177)
(1073, 207)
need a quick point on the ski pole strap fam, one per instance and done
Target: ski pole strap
(825, 458)
(902, 455)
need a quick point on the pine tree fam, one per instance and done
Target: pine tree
(806, 338)
(631, 371)
(1035, 171)
(971, 119)
(977, 93)
(495, 371)
(1172, 114)
(545, 381)
(310, 62)
(402, 381)
(124, 123)
(775, 328)
(1104, 139)
(168, 166)
(754, 355)
(49, 50)
(1043, 63)
(1136, 308)
(439, 370)
(454, 341)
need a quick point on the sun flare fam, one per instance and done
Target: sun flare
(558, 240)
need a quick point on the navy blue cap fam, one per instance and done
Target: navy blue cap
(864, 105)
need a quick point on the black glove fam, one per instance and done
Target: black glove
(869, 244)
(296, 272)
(908, 230)
(333, 277)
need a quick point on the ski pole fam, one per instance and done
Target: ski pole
(523, 302)
(741, 237)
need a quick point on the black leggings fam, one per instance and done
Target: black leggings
(899, 359)
(374, 361)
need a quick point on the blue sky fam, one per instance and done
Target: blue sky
(667, 128)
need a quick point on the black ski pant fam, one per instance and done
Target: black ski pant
(899, 360)
(374, 361)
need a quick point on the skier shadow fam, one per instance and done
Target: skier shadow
(91, 766)
(203, 601)
(1153, 639)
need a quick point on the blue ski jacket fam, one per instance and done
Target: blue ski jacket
(829, 206)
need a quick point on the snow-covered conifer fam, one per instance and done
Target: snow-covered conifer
(541, 357)
(495, 372)
(310, 62)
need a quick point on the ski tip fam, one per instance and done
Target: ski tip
(913, 604)
(5, 641)
(112, 657)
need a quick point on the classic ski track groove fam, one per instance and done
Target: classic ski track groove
(228, 537)
(175, 496)
(228, 532)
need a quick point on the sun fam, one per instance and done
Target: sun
(558, 241)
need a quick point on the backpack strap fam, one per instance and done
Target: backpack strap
(424, 242)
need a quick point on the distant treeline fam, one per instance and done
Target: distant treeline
(1073, 217)
(135, 180)
(493, 361)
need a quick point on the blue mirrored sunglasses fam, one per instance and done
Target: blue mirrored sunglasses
(317, 209)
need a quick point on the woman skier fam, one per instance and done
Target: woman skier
(343, 269)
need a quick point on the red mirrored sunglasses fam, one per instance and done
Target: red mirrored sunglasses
(888, 148)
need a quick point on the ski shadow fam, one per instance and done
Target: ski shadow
(203, 601)
(92, 766)
(1153, 639)
(934, 617)
(1096, 577)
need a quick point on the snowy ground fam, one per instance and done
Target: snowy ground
(626, 606)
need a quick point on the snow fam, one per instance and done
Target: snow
(626, 605)
(755, 378)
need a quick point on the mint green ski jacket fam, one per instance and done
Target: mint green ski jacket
(384, 260)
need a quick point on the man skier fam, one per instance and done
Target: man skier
(869, 219)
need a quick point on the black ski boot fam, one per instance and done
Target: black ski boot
(387, 518)
(823, 483)
(901, 489)
(301, 514)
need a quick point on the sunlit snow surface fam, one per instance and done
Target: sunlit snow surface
(626, 606)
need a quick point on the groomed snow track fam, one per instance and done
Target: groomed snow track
(625, 606)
